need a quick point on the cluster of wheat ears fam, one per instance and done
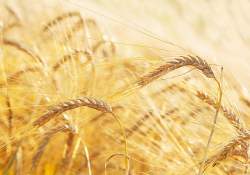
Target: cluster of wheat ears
(65, 77)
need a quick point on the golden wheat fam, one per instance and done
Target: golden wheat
(52, 53)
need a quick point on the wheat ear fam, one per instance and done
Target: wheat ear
(229, 114)
(16, 15)
(23, 48)
(65, 106)
(13, 12)
(226, 152)
(176, 63)
(60, 18)
(12, 78)
(66, 58)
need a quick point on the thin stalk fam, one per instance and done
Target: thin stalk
(73, 155)
(125, 144)
(215, 122)
(112, 157)
(86, 153)
(93, 77)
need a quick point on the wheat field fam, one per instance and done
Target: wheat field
(124, 87)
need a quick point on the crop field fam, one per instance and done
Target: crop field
(124, 87)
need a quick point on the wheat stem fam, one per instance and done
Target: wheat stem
(215, 122)
(125, 144)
